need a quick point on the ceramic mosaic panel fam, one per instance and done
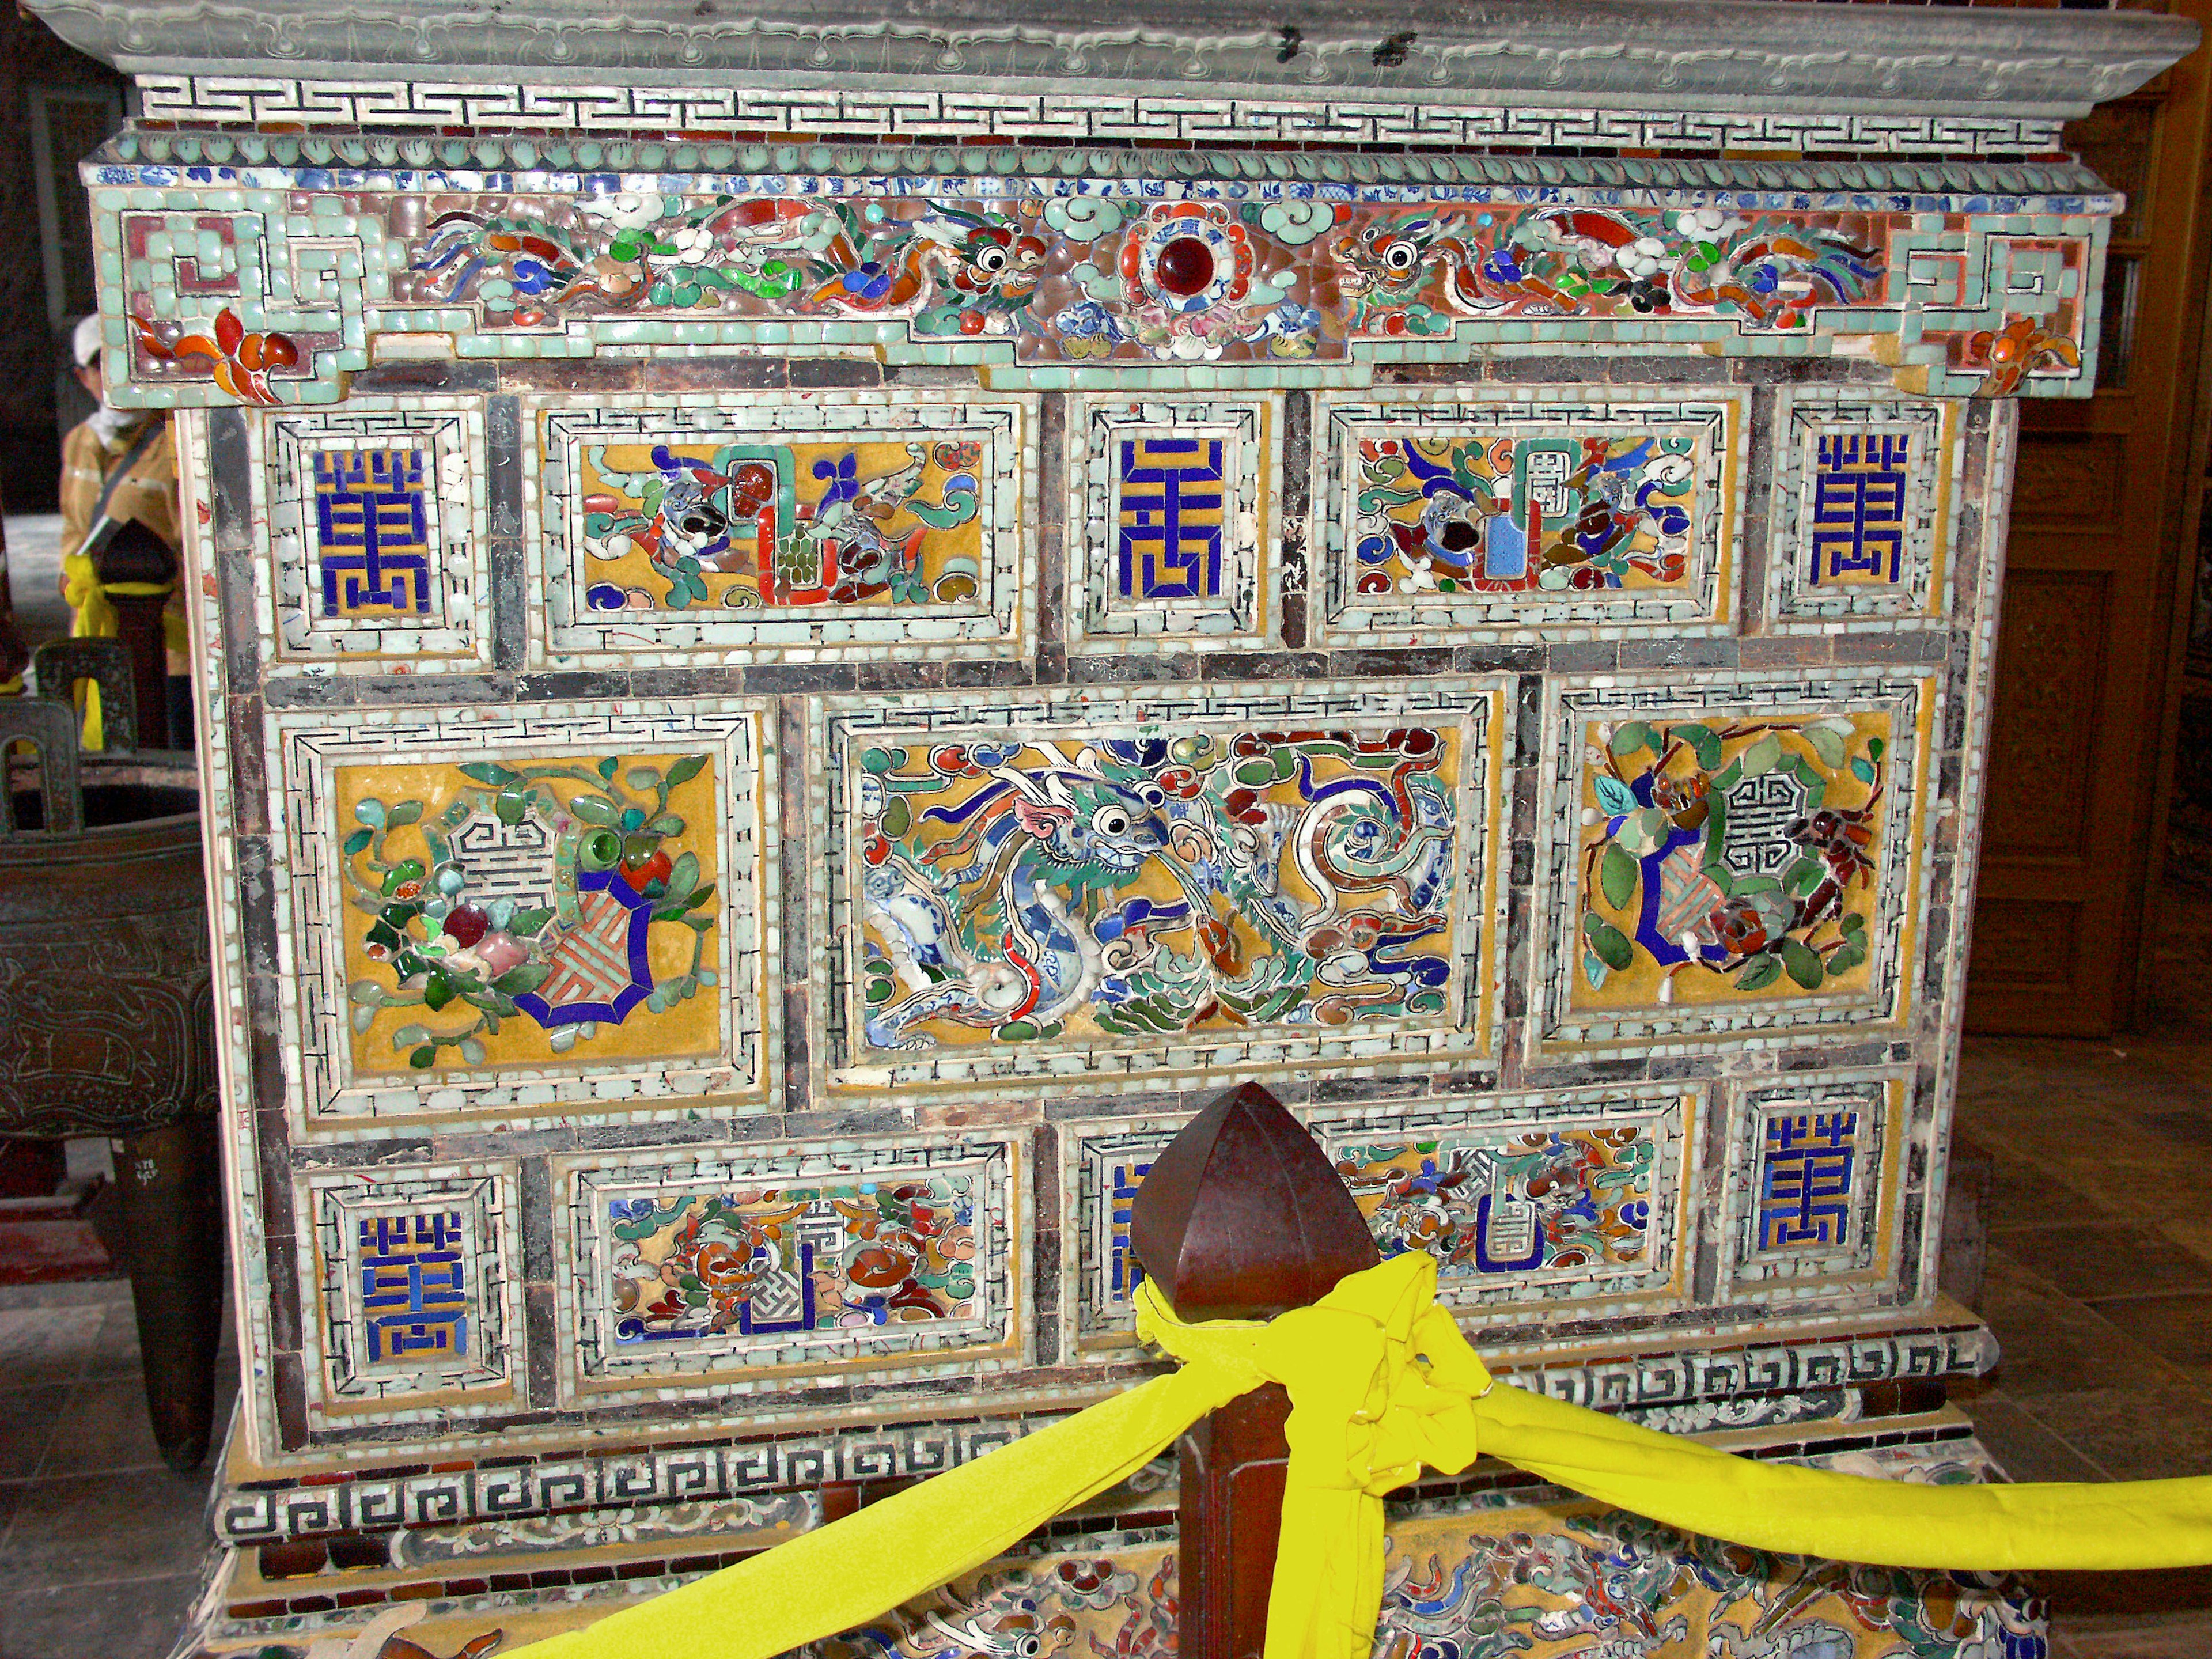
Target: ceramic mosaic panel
(1531, 1204)
(489, 902)
(1812, 1201)
(1730, 858)
(1102, 1165)
(377, 539)
(1864, 505)
(413, 1276)
(1484, 513)
(1092, 886)
(1261, 282)
(805, 525)
(743, 1269)
(1176, 501)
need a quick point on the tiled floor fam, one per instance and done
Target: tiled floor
(2106, 1326)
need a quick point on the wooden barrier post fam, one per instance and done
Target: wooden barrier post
(1242, 1216)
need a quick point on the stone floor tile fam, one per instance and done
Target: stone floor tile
(2133, 1433)
(2092, 1262)
(130, 1618)
(41, 1347)
(2179, 1328)
(85, 1528)
(104, 1430)
(2052, 1344)
(2182, 1638)
(28, 1419)
(2023, 1446)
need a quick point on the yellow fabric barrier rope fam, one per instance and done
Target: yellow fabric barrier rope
(1382, 1384)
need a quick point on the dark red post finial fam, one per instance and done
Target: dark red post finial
(1242, 1216)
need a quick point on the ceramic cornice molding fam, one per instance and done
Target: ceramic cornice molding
(1625, 55)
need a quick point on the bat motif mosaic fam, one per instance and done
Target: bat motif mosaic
(377, 535)
(412, 1271)
(1105, 875)
(1714, 858)
(745, 1267)
(1450, 518)
(1864, 503)
(787, 522)
(1175, 503)
(1256, 277)
(1812, 1200)
(547, 908)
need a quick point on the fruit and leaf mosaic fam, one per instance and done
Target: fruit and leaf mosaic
(1086, 277)
(686, 523)
(1562, 1581)
(506, 911)
(1132, 886)
(1729, 859)
(1440, 514)
(1536, 1202)
(832, 1256)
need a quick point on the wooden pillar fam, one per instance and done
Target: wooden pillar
(1241, 1217)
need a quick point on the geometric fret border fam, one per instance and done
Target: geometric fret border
(450, 593)
(1811, 1204)
(446, 1235)
(1558, 1029)
(1244, 609)
(1102, 1163)
(1708, 426)
(313, 907)
(568, 630)
(1920, 525)
(601, 1362)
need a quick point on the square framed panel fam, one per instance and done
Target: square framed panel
(1532, 1204)
(1174, 499)
(797, 526)
(412, 1289)
(1563, 512)
(555, 910)
(1101, 887)
(734, 1270)
(1864, 510)
(1103, 1161)
(1811, 1201)
(1730, 858)
(378, 538)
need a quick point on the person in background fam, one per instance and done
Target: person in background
(118, 466)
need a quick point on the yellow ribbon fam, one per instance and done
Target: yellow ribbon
(93, 617)
(1382, 1385)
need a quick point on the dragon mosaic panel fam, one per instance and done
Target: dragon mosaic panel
(739, 1269)
(1865, 502)
(765, 526)
(414, 1275)
(1449, 516)
(1094, 885)
(494, 900)
(377, 540)
(1730, 858)
(1261, 279)
(1176, 499)
(1811, 1201)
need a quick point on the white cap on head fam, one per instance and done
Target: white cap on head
(86, 342)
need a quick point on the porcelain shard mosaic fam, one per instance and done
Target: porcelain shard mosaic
(1049, 276)
(377, 538)
(1447, 517)
(414, 1273)
(1736, 858)
(743, 1266)
(1813, 1201)
(1094, 883)
(1865, 496)
(792, 522)
(1174, 499)
(580, 898)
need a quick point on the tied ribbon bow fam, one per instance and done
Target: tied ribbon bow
(1382, 1385)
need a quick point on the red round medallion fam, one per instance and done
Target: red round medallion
(1184, 266)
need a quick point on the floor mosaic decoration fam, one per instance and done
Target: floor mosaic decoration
(786, 695)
